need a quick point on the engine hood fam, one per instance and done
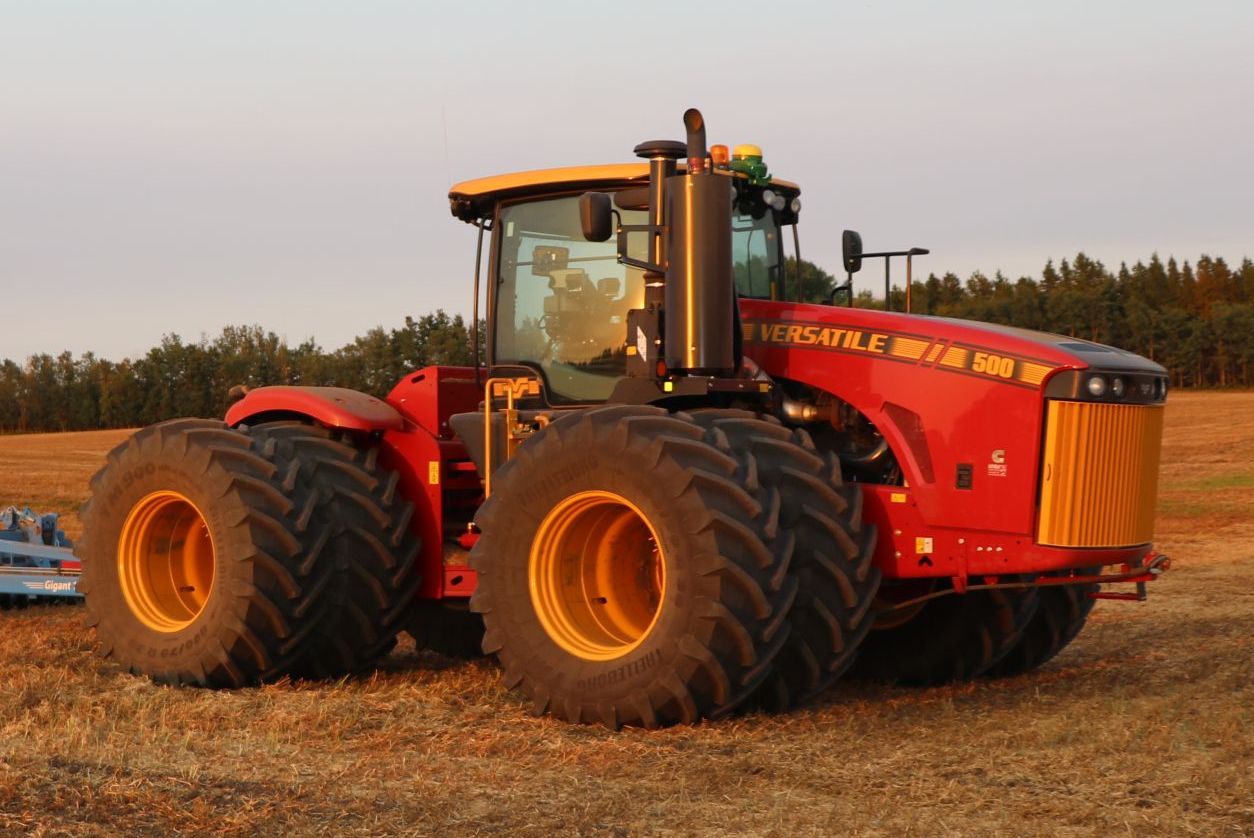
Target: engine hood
(1097, 355)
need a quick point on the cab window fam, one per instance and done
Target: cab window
(756, 254)
(562, 301)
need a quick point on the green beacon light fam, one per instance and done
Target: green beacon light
(747, 159)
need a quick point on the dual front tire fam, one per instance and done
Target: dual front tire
(642, 567)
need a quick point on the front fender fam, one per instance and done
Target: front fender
(332, 407)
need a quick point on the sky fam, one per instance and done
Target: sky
(174, 167)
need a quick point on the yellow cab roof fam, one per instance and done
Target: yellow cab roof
(475, 198)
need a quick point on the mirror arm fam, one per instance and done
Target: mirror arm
(846, 286)
(623, 230)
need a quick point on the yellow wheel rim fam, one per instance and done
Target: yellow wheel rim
(166, 561)
(597, 575)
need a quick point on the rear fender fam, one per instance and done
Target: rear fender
(337, 408)
(417, 458)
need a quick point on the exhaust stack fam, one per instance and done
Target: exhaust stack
(699, 311)
(694, 124)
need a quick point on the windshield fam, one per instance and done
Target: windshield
(562, 301)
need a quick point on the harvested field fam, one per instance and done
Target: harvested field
(1143, 726)
(49, 472)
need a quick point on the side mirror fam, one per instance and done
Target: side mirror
(596, 216)
(851, 251)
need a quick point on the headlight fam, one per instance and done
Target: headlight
(795, 206)
(1117, 387)
(774, 200)
(1097, 386)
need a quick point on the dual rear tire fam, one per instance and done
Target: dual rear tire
(227, 557)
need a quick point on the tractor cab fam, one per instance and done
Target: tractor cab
(561, 304)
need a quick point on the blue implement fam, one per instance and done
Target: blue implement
(37, 561)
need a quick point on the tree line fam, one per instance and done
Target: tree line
(1197, 320)
(178, 378)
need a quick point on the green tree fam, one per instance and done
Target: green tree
(816, 283)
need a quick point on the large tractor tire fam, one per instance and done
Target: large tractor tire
(832, 560)
(377, 550)
(630, 571)
(206, 557)
(1060, 615)
(950, 638)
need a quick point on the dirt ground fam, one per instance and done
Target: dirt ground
(1141, 727)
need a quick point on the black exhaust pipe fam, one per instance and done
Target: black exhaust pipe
(699, 312)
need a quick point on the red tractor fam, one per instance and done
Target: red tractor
(671, 492)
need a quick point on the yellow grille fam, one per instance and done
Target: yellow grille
(1099, 478)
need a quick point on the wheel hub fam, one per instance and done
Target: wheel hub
(597, 575)
(166, 561)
